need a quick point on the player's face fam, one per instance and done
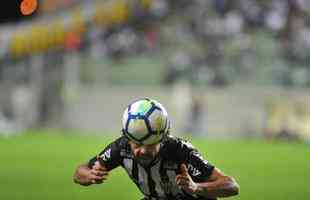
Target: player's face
(144, 154)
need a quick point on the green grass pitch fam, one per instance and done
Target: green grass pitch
(40, 165)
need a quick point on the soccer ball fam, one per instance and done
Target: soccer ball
(145, 121)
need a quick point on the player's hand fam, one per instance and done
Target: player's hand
(99, 173)
(185, 182)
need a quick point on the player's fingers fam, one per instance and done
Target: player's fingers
(182, 179)
(179, 178)
(98, 172)
(183, 169)
(95, 177)
(182, 182)
(99, 166)
(100, 163)
(102, 177)
(102, 173)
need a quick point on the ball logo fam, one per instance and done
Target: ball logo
(27, 7)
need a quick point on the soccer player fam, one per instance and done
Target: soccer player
(162, 166)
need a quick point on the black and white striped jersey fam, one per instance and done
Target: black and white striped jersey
(157, 181)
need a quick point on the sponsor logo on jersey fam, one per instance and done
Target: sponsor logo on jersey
(106, 155)
(192, 170)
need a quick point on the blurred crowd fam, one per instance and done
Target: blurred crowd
(210, 42)
(38, 56)
(244, 38)
(224, 40)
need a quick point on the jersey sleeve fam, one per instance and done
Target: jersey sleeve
(199, 168)
(110, 156)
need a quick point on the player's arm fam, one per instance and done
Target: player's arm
(218, 185)
(199, 177)
(96, 170)
(84, 175)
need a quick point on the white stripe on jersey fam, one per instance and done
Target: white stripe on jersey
(128, 165)
(143, 180)
(156, 177)
(174, 187)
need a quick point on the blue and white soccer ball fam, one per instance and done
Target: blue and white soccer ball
(145, 121)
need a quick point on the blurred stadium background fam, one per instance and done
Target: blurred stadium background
(233, 75)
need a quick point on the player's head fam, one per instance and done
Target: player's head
(144, 154)
(145, 124)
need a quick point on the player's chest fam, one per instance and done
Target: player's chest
(159, 178)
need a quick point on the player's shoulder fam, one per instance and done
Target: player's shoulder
(120, 143)
(122, 140)
(175, 146)
(176, 142)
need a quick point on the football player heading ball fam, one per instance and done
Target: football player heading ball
(162, 166)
